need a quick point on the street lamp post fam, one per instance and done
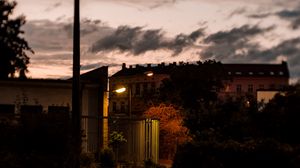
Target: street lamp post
(129, 92)
(76, 97)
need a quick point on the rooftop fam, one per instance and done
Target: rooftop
(257, 70)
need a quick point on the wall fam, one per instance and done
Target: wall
(57, 93)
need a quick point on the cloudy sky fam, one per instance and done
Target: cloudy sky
(143, 31)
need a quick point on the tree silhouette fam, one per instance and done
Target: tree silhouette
(13, 48)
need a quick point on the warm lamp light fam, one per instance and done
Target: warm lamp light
(120, 90)
(149, 73)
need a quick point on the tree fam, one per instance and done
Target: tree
(233, 134)
(190, 84)
(13, 47)
(172, 132)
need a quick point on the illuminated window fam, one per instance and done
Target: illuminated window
(281, 73)
(271, 73)
(250, 73)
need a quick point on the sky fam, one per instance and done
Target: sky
(143, 31)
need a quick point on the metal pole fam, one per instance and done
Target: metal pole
(76, 96)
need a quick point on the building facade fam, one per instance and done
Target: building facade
(45, 97)
(241, 80)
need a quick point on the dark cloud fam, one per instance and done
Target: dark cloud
(291, 15)
(259, 16)
(138, 41)
(233, 44)
(238, 11)
(52, 7)
(97, 65)
(46, 35)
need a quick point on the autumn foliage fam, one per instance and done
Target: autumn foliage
(172, 131)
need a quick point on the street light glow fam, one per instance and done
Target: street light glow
(120, 90)
(149, 73)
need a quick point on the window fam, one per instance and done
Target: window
(272, 86)
(152, 90)
(261, 86)
(31, 109)
(250, 88)
(250, 73)
(145, 88)
(58, 112)
(261, 73)
(122, 107)
(238, 73)
(137, 89)
(238, 88)
(281, 73)
(114, 107)
(7, 109)
(271, 73)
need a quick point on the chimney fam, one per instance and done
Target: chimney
(123, 66)
(162, 64)
(148, 65)
(130, 66)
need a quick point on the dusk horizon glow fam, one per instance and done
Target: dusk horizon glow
(141, 32)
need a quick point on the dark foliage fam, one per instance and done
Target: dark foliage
(13, 47)
(235, 134)
(190, 84)
(35, 142)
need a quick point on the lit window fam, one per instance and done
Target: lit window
(281, 73)
(229, 73)
(250, 73)
(271, 73)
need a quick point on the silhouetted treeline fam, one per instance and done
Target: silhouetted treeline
(234, 133)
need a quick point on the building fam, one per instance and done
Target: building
(247, 79)
(241, 80)
(36, 97)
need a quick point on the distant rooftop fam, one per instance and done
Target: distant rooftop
(231, 69)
